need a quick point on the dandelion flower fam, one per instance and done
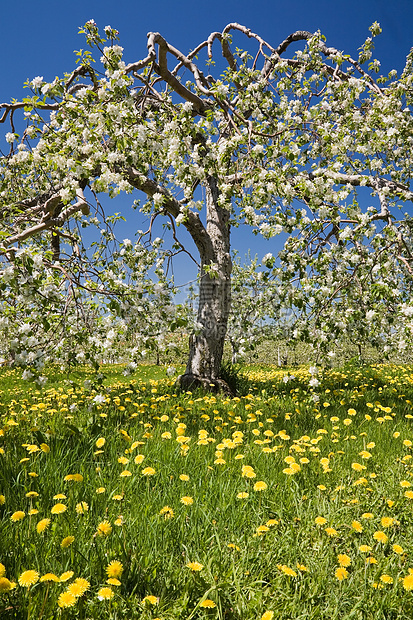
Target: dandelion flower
(365, 548)
(287, 570)
(343, 559)
(184, 477)
(331, 531)
(67, 541)
(66, 599)
(408, 582)
(66, 576)
(386, 578)
(49, 577)
(114, 569)
(166, 512)
(100, 442)
(207, 604)
(356, 525)
(79, 587)
(6, 585)
(43, 525)
(2, 500)
(195, 566)
(267, 615)
(387, 521)
(81, 508)
(148, 471)
(125, 473)
(58, 509)
(367, 515)
(100, 490)
(2, 570)
(260, 486)
(112, 581)
(243, 495)
(187, 500)
(17, 516)
(341, 573)
(104, 528)
(320, 521)
(153, 600)
(28, 578)
(398, 549)
(380, 537)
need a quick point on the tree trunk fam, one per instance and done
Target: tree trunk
(207, 343)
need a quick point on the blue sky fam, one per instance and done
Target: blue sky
(39, 39)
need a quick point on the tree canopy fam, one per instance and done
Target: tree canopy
(311, 144)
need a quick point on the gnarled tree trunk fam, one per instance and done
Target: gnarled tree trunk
(207, 343)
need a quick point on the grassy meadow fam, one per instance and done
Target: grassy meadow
(134, 500)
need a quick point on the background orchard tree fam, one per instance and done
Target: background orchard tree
(310, 144)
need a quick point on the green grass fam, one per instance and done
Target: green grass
(261, 552)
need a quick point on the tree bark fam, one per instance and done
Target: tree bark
(207, 343)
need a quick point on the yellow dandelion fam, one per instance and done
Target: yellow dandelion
(371, 560)
(408, 494)
(79, 587)
(151, 599)
(104, 528)
(6, 585)
(2, 570)
(290, 572)
(243, 495)
(341, 573)
(100, 442)
(408, 582)
(207, 604)
(114, 569)
(195, 566)
(66, 599)
(367, 515)
(66, 576)
(357, 527)
(380, 537)
(167, 512)
(344, 560)
(184, 477)
(148, 471)
(58, 509)
(386, 579)
(2, 500)
(365, 548)
(387, 521)
(49, 577)
(247, 472)
(105, 594)
(100, 490)
(320, 521)
(67, 541)
(331, 531)
(59, 496)
(260, 486)
(398, 549)
(43, 525)
(187, 500)
(267, 615)
(125, 473)
(82, 507)
(28, 578)
(17, 516)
